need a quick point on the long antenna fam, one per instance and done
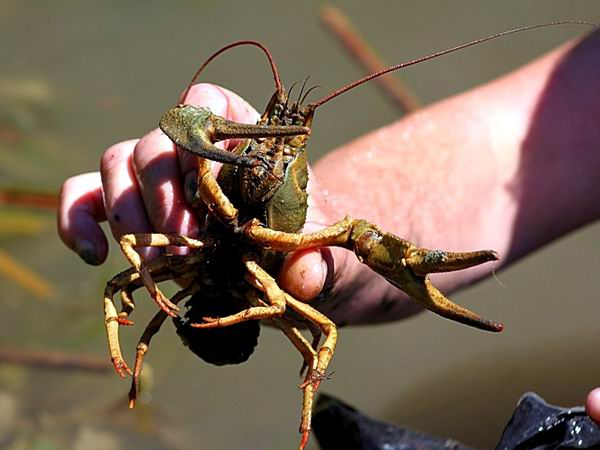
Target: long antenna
(265, 50)
(356, 83)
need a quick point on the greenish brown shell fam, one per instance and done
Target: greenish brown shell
(286, 210)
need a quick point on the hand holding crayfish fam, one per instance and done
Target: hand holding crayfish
(438, 178)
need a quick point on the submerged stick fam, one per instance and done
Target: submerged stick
(25, 277)
(340, 26)
(53, 359)
(28, 198)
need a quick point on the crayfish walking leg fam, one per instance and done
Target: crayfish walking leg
(277, 300)
(144, 343)
(165, 267)
(129, 241)
(260, 279)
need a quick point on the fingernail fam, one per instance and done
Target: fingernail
(87, 251)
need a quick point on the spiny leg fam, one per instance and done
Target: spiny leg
(111, 318)
(165, 267)
(398, 260)
(260, 279)
(144, 343)
(310, 356)
(324, 354)
(127, 303)
(129, 242)
(316, 335)
(308, 387)
(307, 351)
(316, 361)
(126, 281)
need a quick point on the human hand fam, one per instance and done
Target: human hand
(141, 188)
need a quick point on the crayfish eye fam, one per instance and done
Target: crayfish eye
(277, 110)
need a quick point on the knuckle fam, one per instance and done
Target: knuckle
(115, 154)
(209, 95)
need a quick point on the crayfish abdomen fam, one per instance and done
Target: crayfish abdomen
(218, 346)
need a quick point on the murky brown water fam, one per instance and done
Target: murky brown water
(100, 72)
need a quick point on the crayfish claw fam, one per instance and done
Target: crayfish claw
(423, 261)
(435, 301)
(121, 367)
(207, 322)
(124, 321)
(166, 305)
(406, 266)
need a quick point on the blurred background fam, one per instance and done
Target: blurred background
(76, 77)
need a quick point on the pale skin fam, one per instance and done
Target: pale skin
(508, 166)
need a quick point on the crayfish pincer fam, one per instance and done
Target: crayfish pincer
(253, 215)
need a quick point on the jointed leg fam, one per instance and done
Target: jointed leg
(308, 387)
(129, 242)
(316, 335)
(163, 268)
(398, 260)
(212, 194)
(127, 303)
(324, 354)
(316, 363)
(307, 351)
(260, 279)
(144, 343)
(328, 328)
(111, 318)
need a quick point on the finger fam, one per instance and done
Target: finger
(592, 405)
(306, 273)
(222, 102)
(80, 210)
(122, 198)
(156, 166)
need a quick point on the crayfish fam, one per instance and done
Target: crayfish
(255, 209)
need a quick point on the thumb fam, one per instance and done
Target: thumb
(307, 273)
(304, 274)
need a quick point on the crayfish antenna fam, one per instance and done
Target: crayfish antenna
(363, 80)
(274, 70)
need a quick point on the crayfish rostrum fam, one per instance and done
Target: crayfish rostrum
(254, 212)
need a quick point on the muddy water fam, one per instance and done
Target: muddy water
(76, 78)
